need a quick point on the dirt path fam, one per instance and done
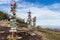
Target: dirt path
(28, 37)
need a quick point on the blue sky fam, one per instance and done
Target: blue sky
(44, 2)
(46, 11)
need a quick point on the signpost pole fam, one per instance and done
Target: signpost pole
(13, 19)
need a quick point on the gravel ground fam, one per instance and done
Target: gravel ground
(29, 37)
(23, 35)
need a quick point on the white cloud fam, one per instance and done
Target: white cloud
(55, 7)
(47, 16)
(44, 15)
(7, 1)
(4, 1)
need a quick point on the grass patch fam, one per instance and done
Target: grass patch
(50, 35)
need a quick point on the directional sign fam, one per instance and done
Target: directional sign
(13, 24)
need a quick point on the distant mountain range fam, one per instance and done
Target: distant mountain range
(55, 28)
